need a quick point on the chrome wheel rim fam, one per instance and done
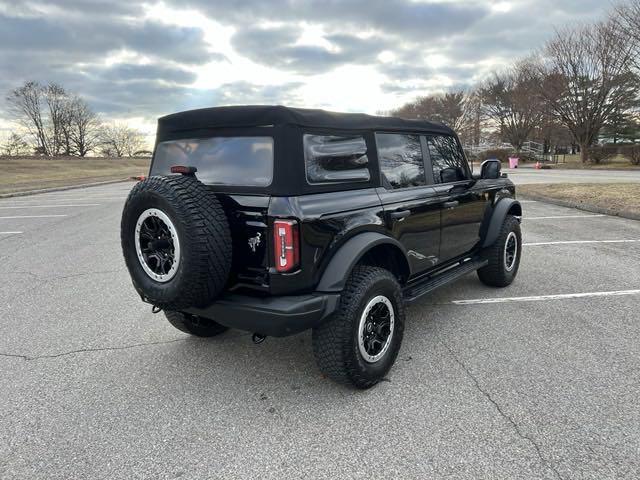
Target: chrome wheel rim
(157, 245)
(510, 251)
(375, 330)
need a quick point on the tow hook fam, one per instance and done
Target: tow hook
(156, 309)
(258, 338)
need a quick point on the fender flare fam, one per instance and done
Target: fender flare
(348, 255)
(501, 209)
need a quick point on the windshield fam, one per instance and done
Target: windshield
(246, 161)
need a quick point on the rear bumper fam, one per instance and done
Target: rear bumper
(272, 316)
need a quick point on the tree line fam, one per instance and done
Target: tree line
(579, 89)
(55, 122)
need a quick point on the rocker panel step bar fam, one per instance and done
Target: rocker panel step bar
(416, 290)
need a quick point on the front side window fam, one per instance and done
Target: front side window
(401, 160)
(238, 161)
(447, 159)
(336, 158)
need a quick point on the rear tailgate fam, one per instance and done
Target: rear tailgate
(247, 216)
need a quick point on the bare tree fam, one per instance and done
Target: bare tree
(42, 112)
(451, 108)
(422, 108)
(83, 127)
(509, 100)
(627, 17)
(15, 145)
(26, 104)
(57, 102)
(119, 140)
(584, 76)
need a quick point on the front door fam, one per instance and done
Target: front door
(463, 205)
(462, 213)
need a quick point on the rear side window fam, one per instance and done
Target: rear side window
(238, 161)
(401, 160)
(447, 159)
(334, 158)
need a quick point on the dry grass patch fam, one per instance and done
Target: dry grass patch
(573, 162)
(616, 197)
(33, 173)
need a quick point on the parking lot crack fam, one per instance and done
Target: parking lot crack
(50, 279)
(29, 358)
(12, 355)
(502, 413)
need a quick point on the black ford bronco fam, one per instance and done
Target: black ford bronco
(275, 220)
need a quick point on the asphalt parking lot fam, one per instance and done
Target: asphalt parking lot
(531, 381)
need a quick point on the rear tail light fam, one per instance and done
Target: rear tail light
(286, 245)
(184, 169)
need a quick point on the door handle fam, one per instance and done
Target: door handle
(451, 204)
(400, 214)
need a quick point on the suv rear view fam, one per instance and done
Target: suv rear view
(278, 220)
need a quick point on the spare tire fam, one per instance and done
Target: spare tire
(176, 242)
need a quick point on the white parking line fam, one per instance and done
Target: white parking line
(53, 206)
(563, 216)
(539, 298)
(26, 201)
(570, 242)
(79, 195)
(10, 233)
(32, 216)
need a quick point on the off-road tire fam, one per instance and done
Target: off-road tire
(193, 325)
(335, 342)
(496, 274)
(204, 237)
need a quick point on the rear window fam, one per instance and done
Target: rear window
(336, 158)
(245, 161)
(401, 160)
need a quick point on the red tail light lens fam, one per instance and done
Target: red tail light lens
(184, 170)
(286, 245)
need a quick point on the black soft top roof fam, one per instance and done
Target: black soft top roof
(272, 115)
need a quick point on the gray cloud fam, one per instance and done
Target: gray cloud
(80, 39)
(248, 93)
(275, 47)
(407, 18)
(68, 40)
(127, 72)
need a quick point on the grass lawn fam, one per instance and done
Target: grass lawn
(33, 173)
(615, 197)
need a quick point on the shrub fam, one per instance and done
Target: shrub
(501, 154)
(599, 154)
(631, 153)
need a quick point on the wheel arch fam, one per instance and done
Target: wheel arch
(370, 248)
(493, 221)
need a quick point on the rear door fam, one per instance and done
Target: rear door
(411, 206)
(462, 204)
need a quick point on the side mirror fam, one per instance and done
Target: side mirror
(450, 174)
(490, 169)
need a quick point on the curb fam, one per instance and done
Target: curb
(60, 189)
(587, 207)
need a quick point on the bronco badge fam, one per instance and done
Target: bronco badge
(254, 242)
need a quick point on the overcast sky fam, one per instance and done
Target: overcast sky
(134, 61)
